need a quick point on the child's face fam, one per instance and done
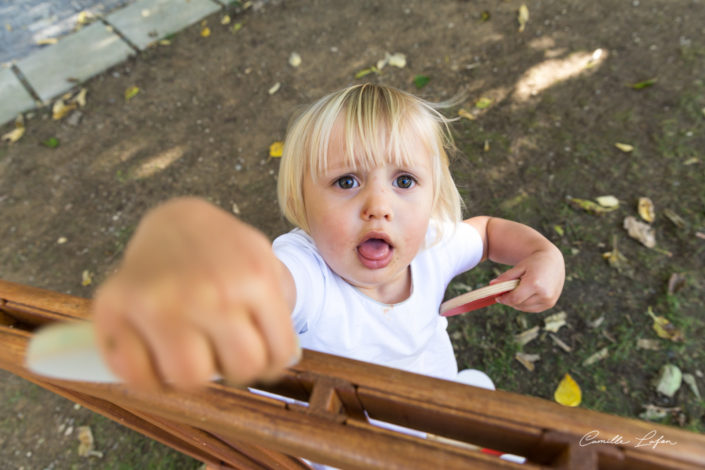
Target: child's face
(369, 224)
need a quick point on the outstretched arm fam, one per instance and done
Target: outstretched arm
(535, 261)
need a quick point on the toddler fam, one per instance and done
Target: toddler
(365, 179)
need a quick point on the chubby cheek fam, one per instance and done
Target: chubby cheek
(330, 235)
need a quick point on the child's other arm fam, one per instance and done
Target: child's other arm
(537, 262)
(198, 292)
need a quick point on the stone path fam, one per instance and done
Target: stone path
(50, 71)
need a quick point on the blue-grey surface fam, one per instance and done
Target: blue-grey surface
(25, 22)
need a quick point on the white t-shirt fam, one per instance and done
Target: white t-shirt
(332, 316)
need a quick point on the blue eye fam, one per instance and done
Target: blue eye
(405, 181)
(346, 182)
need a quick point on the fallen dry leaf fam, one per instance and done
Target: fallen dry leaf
(527, 336)
(664, 328)
(47, 41)
(483, 103)
(646, 209)
(205, 32)
(275, 88)
(608, 202)
(588, 206)
(675, 283)
(560, 343)
(598, 356)
(486, 147)
(653, 412)
(276, 149)
(640, 231)
(568, 392)
(368, 71)
(86, 446)
(86, 278)
(669, 380)
(80, 98)
(676, 219)
(626, 148)
(464, 113)
(225, 20)
(690, 380)
(554, 322)
(131, 92)
(294, 59)
(17, 133)
(527, 360)
(61, 109)
(523, 17)
(648, 344)
(395, 60)
(615, 258)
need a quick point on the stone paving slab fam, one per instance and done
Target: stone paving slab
(25, 22)
(77, 57)
(14, 99)
(146, 21)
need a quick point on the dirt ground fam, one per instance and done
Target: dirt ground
(557, 97)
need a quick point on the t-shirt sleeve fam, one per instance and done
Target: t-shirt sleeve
(298, 253)
(461, 248)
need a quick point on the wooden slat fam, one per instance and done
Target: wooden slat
(235, 428)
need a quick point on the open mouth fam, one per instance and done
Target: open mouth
(375, 252)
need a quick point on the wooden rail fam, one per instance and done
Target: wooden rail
(230, 427)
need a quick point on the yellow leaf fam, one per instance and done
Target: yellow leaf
(17, 133)
(589, 206)
(61, 109)
(397, 60)
(609, 202)
(364, 72)
(205, 32)
(225, 20)
(86, 278)
(486, 147)
(568, 392)
(464, 113)
(236, 27)
(483, 103)
(615, 258)
(664, 328)
(47, 41)
(523, 17)
(294, 59)
(131, 92)
(80, 98)
(624, 147)
(646, 209)
(276, 149)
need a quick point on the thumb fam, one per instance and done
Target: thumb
(513, 273)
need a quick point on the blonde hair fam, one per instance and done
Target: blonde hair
(376, 119)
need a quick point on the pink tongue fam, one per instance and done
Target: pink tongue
(374, 249)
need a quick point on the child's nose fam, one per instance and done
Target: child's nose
(377, 204)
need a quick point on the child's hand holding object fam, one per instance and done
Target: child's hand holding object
(205, 296)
